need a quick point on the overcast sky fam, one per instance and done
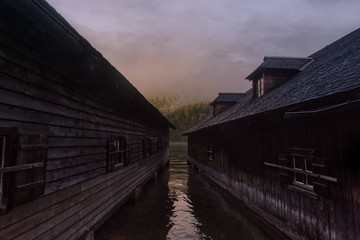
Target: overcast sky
(197, 48)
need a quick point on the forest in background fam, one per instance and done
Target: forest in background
(182, 116)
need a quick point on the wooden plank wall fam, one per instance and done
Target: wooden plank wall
(33, 97)
(71, 212)
(239, 168)
(40, 96)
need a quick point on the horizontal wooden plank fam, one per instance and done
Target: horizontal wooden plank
(92, 194)
(68, 197)
(76, 142)
(74, 161)
(108, 111)
(33, 146)
(100, 211)
(21, 167)
(24, 100)
(45, 90)
(63, 131)
(25, 115)
(99, 204)
(9, 112)
(328, 178)
(63, 213)
(29, 185)
(30, 217)
(59, 174)
(59, 184)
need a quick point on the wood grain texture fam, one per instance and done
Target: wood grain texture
(242, 148)
(54, 84)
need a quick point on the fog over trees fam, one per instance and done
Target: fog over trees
(182, 116)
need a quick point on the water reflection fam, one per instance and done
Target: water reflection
(181, 204)
(183, 222)
(146, 219)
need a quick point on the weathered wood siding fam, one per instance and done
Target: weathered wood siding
(40, 96)
(77, 126)
(54, 84)
(241, 150)
(274, 78)
(71, 212)
(220, 107)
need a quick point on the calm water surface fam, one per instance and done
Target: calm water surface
(180, 204)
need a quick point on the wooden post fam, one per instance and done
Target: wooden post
(137, 194)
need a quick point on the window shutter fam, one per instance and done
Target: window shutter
(285, 176)
(321, 186)
(110, 164)
(29, 180)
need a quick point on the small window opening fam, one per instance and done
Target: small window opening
(303, 170)
(259, 87)
(118, 153)
(211, 152)
(147, 147)
(159, 146)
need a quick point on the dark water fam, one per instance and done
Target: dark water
(180, 204)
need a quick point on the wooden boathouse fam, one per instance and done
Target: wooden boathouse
(289, 148)
(76, 138)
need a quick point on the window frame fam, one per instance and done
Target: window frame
(304, 156)
(318, 172)
(118, 153)
(307, 180)
(147, 147)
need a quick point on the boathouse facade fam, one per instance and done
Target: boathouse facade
(289, 148)
(76, 138)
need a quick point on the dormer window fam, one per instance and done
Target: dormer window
(275, 71)
(224, 101)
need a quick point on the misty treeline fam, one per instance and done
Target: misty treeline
(182, 116)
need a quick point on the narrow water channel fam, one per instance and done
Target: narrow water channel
(180, 204)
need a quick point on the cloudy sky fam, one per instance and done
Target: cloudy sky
(196, 48)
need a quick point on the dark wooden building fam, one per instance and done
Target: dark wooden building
(290, 147)
(76, 138)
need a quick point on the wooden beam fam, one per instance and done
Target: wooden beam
(21, 167)
(328, 178)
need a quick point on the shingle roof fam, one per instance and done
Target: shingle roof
(227, 98)
(334, 69)
(289, 63)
